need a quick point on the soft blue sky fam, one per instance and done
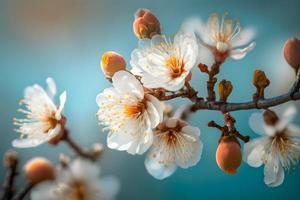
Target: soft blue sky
(64, 39)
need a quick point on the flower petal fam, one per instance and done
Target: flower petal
(51, 87)
(157, 170)
(125, 82)
(238, 54)
(110, 186)
(62, 101)
(253, 152)
(274, 174)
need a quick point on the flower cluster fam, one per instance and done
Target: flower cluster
(138, 120)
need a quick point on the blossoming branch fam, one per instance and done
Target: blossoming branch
(135, 113)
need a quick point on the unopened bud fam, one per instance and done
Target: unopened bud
(112, 62)
(203, 68)
(291, 51)
(270, 117)
(10, 158)
(38, 170)
(64, 160)
(229, 155)
(260, 81)
(225, 89)
(145, 25)
(97, 149)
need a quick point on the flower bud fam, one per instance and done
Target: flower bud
(225, 89)
(112, 62)
(229, 155)
(10, 158)
(145, 24)
(203, 68)
(270, 118)
(260, 79)
(291, 51)
(38, 170)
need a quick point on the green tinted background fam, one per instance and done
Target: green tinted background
(64, 39)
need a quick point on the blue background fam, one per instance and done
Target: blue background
(64, 39)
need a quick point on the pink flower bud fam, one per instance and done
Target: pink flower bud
(112, 62)
(291, 51)
(229, 155)
(38, 170)
(145, 24)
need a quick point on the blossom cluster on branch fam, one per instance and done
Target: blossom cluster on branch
(138, 119)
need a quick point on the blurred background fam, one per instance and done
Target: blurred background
(64, 39)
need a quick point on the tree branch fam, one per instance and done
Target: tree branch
(259, 104)
(11, 163)
(76, 148)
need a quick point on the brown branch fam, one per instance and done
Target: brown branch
(259, 104)
(11, 163)
(24, 192)
(212, 80)
(77, 149)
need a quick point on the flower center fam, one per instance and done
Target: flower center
(135, 110)
(171, 138)
(78, 191)
(281, 143)
(175, 65)
(222, 47)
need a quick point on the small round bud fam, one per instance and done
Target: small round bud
(229, 155)
(291, 52)
(270, 118)
(112, 62)
(225, 89)
(10, 158)
(38, 170)
(64, 160)
(145, 24)
(97, 150)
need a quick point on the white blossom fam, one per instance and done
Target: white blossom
(43, 119)
(78, 181)
(129, 114)
(224, 37)
(278, 148)
(175, 144)
(164, 63)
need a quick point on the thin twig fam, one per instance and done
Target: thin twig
(24, 192)
(76, 148)
(11, 163)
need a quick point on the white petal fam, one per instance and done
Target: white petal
(253, 152)
(238, 54)
(273, 173)
(44, 190)
(159, 106)
(293, 130)
(34, 142)
(51, 87)
(256, 123)
(194, 131)
(119, 141)
(171, 122)
(287, 117)
(141, 145)
(125, 82)
(157, 170)
(110, 186)
(84, 169)
(62, 101)
(244, 37)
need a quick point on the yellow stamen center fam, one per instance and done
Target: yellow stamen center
(175, 65)
(135, 110)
